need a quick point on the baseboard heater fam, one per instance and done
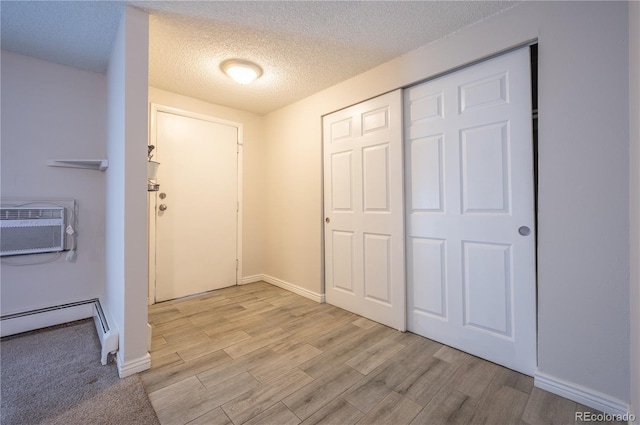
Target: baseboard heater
(107, 335)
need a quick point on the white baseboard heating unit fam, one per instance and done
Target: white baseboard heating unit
(108, 337)
(49, 316)
(31, 230)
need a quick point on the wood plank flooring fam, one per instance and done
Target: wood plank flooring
(257, 354)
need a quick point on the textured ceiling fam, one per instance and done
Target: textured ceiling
(303, 47)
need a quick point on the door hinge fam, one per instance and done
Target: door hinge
(237, 264)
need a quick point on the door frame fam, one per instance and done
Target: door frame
(155, 108)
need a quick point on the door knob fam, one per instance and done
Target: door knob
(328, 220)
(524, 231)
(162, 207)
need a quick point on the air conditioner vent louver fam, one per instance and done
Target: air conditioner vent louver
(31, 230)
(31, 213)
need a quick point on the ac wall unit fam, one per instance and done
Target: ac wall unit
(31, 230)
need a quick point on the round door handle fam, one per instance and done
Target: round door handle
(524, 230)
(162, 207)
(327, 220)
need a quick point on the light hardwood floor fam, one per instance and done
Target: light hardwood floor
(257, 354)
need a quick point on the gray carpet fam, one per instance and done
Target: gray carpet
(54, 376)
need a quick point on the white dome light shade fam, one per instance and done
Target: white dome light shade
(241, 71)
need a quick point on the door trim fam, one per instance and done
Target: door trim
(155, 108)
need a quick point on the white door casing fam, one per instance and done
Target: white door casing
(363, 210)
(194, 243)
(470, 192)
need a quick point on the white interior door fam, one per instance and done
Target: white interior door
(470, 211)
(363, 209)
(197, 205)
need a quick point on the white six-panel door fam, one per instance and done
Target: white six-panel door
(363, 210)
(470, 211)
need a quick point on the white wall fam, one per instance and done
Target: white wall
(51, 111)
(293, 205)
(583, 281)
(634, 121)
(252, 179)
(125, 295)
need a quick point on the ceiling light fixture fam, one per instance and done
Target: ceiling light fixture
(241, 71)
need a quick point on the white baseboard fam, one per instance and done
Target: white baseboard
(251, 279)
(319, 298)
(580, 394)
(133, 366)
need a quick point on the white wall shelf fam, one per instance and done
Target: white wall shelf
(87, 164)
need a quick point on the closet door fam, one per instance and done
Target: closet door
(470, 211)
(363, 210)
